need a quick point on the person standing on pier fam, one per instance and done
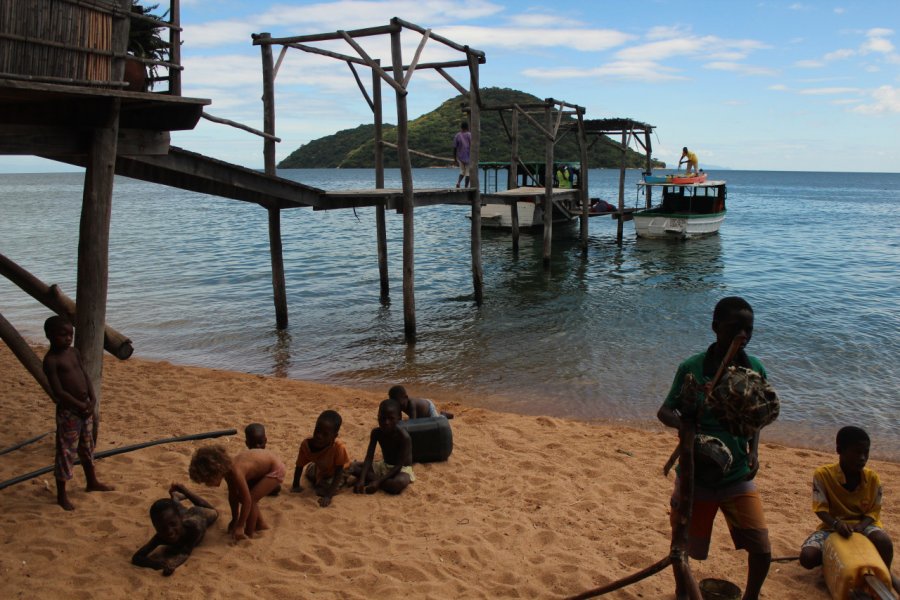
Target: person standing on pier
(462, 143)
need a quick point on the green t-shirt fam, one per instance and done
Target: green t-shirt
(708, 423)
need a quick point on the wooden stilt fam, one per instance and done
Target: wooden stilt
(475, 129)
(24, 353)
(380, 220)
(409, 298)
(648, 190)
(548, 187)
(583, 181)
(93, 249)
(275, 248)
(620, 225)
(514, 178)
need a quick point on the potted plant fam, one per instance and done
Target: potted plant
(144, 41)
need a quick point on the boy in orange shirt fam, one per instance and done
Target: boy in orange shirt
(326, 456)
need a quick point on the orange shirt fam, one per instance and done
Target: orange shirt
(327, 460)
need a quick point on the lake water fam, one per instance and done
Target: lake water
(816, 254)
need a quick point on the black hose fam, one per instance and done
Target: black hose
(122, 450)
(24, 443)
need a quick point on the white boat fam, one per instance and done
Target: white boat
(531, 216)
(685, 210)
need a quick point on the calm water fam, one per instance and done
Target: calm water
(817, 254)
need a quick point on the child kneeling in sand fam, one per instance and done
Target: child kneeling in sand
(326, 456)
(416, 408)
(847, 499)
(394, 473)
(178, 530)
(250, 475)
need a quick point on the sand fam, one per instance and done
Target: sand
(526, 507)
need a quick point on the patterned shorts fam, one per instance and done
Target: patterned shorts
(74, 435)
(817, 538)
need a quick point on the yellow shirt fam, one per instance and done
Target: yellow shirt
(691, 158)
(829, 495)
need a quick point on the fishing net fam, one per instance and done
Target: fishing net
(743, 401)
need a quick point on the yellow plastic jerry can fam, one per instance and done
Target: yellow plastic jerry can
(847, 561)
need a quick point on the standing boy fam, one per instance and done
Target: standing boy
(462, 144)
(75, 401)
(847, 500)
(733, 490)
(691, 159)
(394, 473)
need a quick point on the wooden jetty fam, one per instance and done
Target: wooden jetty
(65, 96)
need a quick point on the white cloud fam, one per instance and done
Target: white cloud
(879, 32)
(627, 70)
(539, 20)
(839, 10)
(809, 64)
(584, 40)
(699, 46)
(664, 32)
(741, 68)
(877, 44)
(829, 91)
(886, 100)
(778, 87)
(840, 54)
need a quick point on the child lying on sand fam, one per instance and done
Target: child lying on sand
(250, 475)
(178, 530)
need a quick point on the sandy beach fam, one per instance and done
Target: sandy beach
(526, 507)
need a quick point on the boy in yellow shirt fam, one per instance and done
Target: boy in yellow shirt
(847, 499)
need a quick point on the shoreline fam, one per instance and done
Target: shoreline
(526, 506)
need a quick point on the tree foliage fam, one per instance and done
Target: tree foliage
(432, 133)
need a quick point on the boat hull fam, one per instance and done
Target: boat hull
(531, 216)
(658, 225)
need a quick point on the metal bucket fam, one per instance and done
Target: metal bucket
(719, 589)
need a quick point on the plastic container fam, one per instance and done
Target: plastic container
(846, 562)
(432, 438)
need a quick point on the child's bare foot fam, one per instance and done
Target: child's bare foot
(65, 504)
(99, 487)
(261, 525)
(372, 488)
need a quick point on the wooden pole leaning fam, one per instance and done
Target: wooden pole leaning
(275, 247)
(53, 298)
(24, 353)
(648, 190)
(380, 218)
(409, 298)
(93, 249)
(475, 129)
(548, 187)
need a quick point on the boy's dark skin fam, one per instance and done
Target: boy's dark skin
(323, 436)
(735, 322)
(415, 408)
(396, 449)
(255, 437)
(72, 390)
(852, 458)
(178, 535)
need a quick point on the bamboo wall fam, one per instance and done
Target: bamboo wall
(57, 39)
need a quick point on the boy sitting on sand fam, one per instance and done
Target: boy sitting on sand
(847, 499)
(250, 475)
(255, 437)
(75, 401)
(415, 408)
(394, 473)
(178, 530)
(326, 456)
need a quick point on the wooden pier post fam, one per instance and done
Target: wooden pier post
(583, 181)
(275, 248)
(648, 190)
(380, 220)
(475, 129)
(620, 226)
(514, 178)
(409, 298)
(24, 353)
(93, 248)
(548, 186)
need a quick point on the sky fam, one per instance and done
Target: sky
(755, 85)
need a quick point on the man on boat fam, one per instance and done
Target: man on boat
(690, 158)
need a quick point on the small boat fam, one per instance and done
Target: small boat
(675, 178)
(686, 210)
